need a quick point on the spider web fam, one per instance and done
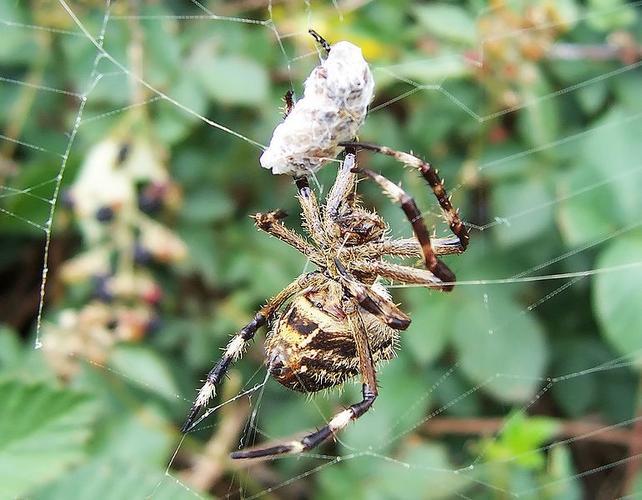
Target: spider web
(489, 288)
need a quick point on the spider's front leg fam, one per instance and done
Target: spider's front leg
(408, 205)
(237, 345)
(341, 419)
(432, 178)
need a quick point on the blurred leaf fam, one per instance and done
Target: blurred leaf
(609, 15)
(404, 397)
(524, 210)
(431, 72)
(576, 394)
(617, 393)
(42, 432)
(617, 295)
(429, 331)
(141, 437)
(521, 439)
(419, 471)
(110, 479)
(500, 347)
(144, 368)
(428, 470)
(449, 22)
(203, 251)
(452, 393)
(592, 97)
(10, 348)
(232, 79)
(206, 205)
(18, 45)
(172, 124)
(538, 120)
(561, 482)
(584, 216)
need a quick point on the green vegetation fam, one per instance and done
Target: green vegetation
(507, 385)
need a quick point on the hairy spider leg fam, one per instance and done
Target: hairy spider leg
(310, 212)
(405, 247)
(320, 40)
(398, 273)
(237, 345)
(432, 178)
(341, 419)
(270, 222)
(342, 188)
(408, 205)
(385, 310)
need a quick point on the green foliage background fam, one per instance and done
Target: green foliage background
(536, 353)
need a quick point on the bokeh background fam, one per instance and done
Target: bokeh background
(130, 134)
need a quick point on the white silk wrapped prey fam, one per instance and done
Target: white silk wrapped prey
(333, 107)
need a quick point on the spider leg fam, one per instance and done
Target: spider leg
(288, 99)
(406, 247)
(403, 274)
(341, 189)
(237, 344)
(408, 205)
(270, 222)
(320, 40)
(341, 419)
(373, 302)
(310, 212)
(432, 178)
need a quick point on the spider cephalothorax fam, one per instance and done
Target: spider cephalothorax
(337, 322)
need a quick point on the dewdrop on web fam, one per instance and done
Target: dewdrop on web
(333, 107)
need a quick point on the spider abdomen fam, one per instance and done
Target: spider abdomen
(312, 346)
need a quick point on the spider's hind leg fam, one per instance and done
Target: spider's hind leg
(341, 419)
(237, 345)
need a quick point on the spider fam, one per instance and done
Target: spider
(331, 324)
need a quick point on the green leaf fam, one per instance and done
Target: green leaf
(403, 400)
(110, 479)
(430, 330)
(609, 15)
(232, 79)
(206, 205)
(417, 470)
(602, 192)
(448, 22)
(539, 119)
(584, 216)
(617, 295)
(42, 432)
(141, 436)
(428, 470)
(561, 482)
(520, 440)
(203, 251)
(500, 347)
(575, 395)
(144, 368)
(524, 210)
(10, 348)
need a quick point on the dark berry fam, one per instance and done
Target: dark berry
(154, 324)
(101, 290)
(104, 214)
(149, 202)
(123, 153)
(67, 199)
(142, 256)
